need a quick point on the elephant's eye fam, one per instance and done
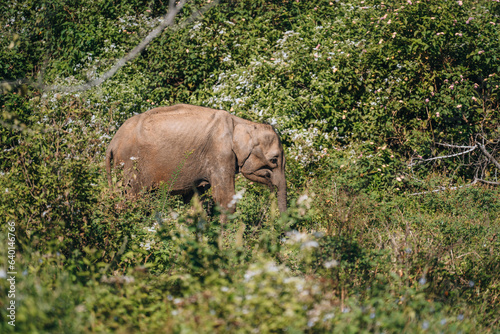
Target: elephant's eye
(274, 161)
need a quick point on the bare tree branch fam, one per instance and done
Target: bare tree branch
(444, 188)
(445, 156)
(488, 155)
(488, 182)
(194, 16)
(481, 163)
(168, 20)
(454, 146)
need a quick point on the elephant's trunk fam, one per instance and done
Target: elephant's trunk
(282, 194)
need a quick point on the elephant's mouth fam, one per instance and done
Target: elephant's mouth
(263, 172)
(262, 175)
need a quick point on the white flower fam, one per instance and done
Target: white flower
(297, 281)
(296, 236)
(330, 264)
(309, 244)
(302, 199)
(133, 158)
(236, 197)
(271, 267)
(250, 274)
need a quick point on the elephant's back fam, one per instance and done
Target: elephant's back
(179, 109)
(178, 122)
(186, 112)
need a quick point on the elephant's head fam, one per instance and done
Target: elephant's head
(260, 156)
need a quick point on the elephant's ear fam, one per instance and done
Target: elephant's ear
(243, 143)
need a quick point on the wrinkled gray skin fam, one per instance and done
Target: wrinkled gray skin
(193, 148)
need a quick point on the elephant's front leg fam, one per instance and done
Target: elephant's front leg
(223, 194)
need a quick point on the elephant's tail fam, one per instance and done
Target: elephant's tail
(109, 158)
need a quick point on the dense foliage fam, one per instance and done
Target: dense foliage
(361, 93)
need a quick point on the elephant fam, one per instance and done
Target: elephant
(192, 148)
